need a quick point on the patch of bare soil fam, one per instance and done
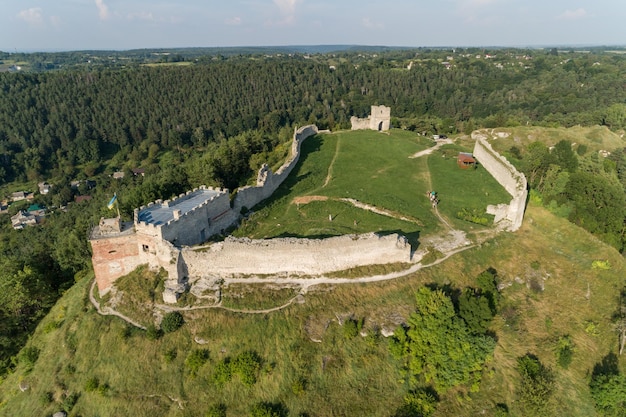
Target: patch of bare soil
(305, 199)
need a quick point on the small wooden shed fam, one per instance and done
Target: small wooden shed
(466, 160)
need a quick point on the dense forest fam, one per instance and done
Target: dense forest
(215, 119)
(64, 119)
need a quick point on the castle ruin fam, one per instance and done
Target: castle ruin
(162, 231)
(513, 181)
(379, 119)
(164, 234)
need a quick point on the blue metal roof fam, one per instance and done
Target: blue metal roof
(158, 214)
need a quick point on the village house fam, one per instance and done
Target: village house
(22, 195)
(44, 188)
(27, 218)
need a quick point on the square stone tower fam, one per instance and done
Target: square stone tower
(380, 118)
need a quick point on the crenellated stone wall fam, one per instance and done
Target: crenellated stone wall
(267, 181)
(118, 252)
(510, 178)
(294, 256)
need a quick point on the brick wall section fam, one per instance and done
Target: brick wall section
(114, 257)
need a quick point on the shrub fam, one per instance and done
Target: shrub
(46, 397)
(247, 366)
(352, 327)
(92, 384)
(599, 264)
(70, 401)
(537, 386)
(28, 356)
(170, 355)
(216, 410)
(564, 351)
(298, 386)
(152, 333)
(419, 403)
(268, 410)
(222, 373)
(473, 216)
(195, 360)
(172, 321)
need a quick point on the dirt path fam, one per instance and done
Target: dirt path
(428, 151)
(332, 163)
(107, 311)
(356, 203)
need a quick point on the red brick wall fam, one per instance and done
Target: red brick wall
(112, 258)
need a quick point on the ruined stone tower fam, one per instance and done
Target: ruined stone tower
(379, 119)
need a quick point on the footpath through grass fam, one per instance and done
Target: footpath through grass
(372, 168)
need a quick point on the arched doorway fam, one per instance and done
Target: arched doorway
(380, 126)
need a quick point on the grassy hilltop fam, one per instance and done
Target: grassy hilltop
(308, 359)
(375, 169)
(135, 375)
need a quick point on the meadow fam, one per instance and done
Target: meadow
(308, 364)
(376, 170)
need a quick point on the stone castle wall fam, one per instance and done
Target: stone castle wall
(294, 256)
(510, 178)
(379, 119)
(267, 181)
(116, 255)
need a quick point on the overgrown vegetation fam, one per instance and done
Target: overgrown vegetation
(558, 285)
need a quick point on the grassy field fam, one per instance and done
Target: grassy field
(374, 169)
(333, 375)
(100, 366)
(595, 138)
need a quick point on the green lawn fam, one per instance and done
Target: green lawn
(375, 169)
(472, 189)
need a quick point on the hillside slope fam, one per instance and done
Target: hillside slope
(95, 365)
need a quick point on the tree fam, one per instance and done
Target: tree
(599, 205)
(438, 346)
(475, 309)
(172, 321)
(536, 162)
(536, 387)
(564, 156)
(608, 387)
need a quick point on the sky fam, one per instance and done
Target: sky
(67, 25)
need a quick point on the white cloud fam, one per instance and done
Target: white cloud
(235, 21)
(103, 9)
(142, 16)
(573, 14)
(33, 16)
(56, 21)
(287, 7)
(368, 23)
